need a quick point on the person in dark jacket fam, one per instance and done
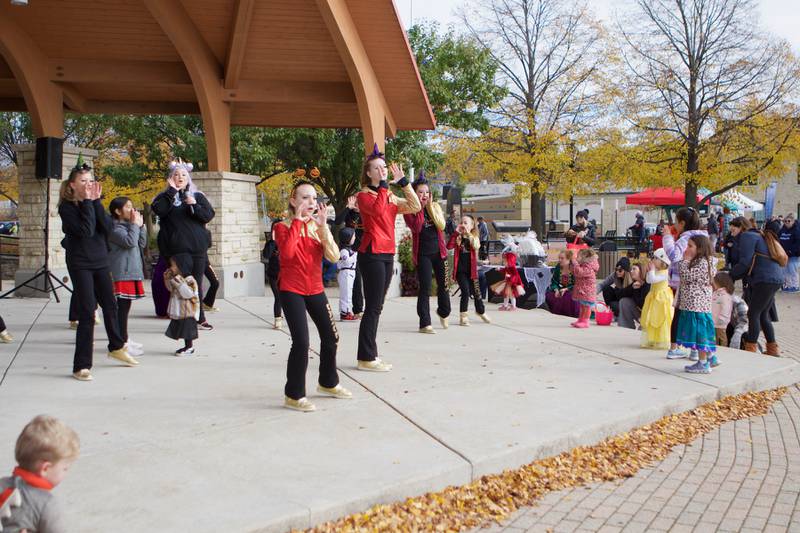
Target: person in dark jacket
(87, 226)
(637, 230)
(270, 256)
(582, 232)
(789, 235)
(183, 213)
(763, 276)
(351, 218)
(612, 286)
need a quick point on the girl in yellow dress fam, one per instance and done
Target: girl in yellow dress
(657, 311)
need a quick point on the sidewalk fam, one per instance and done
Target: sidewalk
(202, 443)
(745, 476)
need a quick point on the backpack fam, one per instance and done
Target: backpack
(776, 251)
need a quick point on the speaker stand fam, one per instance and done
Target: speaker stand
(50, 279)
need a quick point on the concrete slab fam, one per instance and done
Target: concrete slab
(202, 443)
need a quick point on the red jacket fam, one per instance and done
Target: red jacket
(415, 223)
(378, 212)
(474, 244)
(301, 247)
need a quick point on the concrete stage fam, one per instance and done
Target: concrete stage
(203, 443)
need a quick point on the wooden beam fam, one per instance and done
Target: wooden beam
(243, 14)
(73, 98)
(376, 117)
(29, 66)
(291, 92)
(103, 71)
(205, 72)
(125, 107)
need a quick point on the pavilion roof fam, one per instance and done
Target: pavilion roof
(278, 63)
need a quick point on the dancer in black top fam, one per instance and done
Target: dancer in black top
(87, 226)
(183, 212)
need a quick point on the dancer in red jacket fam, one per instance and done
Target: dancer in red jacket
(379, 207)
(466, 243)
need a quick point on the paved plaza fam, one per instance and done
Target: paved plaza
(744, 476)
(202, 443)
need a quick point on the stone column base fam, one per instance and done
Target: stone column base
(246, 279)
(24, 274)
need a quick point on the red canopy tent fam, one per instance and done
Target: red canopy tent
(661, 196)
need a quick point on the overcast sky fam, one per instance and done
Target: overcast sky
(780, 17)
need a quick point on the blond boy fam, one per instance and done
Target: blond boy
(45, 450)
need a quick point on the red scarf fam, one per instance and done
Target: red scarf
(34, 480)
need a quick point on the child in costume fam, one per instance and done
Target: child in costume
(658, 305)
(466, 243)
(585, 269)
(184, 303)
(45, 450)
(347, 273)
(510, 287)
(721, 308)
(739, 322)
(695, 323)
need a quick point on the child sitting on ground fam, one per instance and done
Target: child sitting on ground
(45, 450)
(184, 303)
(722, 306)
(347, 273)
(657, 311)
(585, 268)
(559, 294)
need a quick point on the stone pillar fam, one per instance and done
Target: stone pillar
(31, 211)
(235, 253)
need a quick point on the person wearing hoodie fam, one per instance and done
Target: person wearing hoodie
(763, 276)
(687, 225)
(612, 286)
(789, 236)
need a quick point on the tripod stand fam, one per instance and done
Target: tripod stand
(50, 279)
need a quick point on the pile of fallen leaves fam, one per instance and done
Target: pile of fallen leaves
(494, 497)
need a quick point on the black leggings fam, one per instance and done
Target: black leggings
(276, 306)
(469, 287)
(86, 284)
(2, 324)
(377, 270)
(123, 308)
(199, 263)
(213, 285)
(358, 293)
(295, 307)
(761, 299)
(426, 267)
(673, 328)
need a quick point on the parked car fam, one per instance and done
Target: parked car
(9, 227)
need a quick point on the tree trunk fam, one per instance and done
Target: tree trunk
(538, 212)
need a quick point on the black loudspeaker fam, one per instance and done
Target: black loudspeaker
(49, 153)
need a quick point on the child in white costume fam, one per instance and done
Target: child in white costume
(347, 273)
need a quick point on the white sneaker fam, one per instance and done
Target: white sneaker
(134, 350)
(135, 344)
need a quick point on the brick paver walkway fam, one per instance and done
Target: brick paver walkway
(745, 476)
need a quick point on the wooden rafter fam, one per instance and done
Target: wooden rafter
(43, 99)
(292, 92)
(73, 98)
(205, 73)
(376, 117)
(100, 71)
(243, 14)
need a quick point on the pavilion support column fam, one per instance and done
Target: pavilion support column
(235, 254)
(31, 212)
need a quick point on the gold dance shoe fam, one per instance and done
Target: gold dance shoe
(445, 322)
(485, 318)
(299, 405)
(336, 392)
(5, 336)
(378, 365)
(123, 356)
(278, 324)
(463, 319)
(83, 375)
(428, 329)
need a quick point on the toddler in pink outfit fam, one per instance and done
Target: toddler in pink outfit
(585, 268)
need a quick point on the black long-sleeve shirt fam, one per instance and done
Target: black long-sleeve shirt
(183, 226)
(86, 226)
(351, 219)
